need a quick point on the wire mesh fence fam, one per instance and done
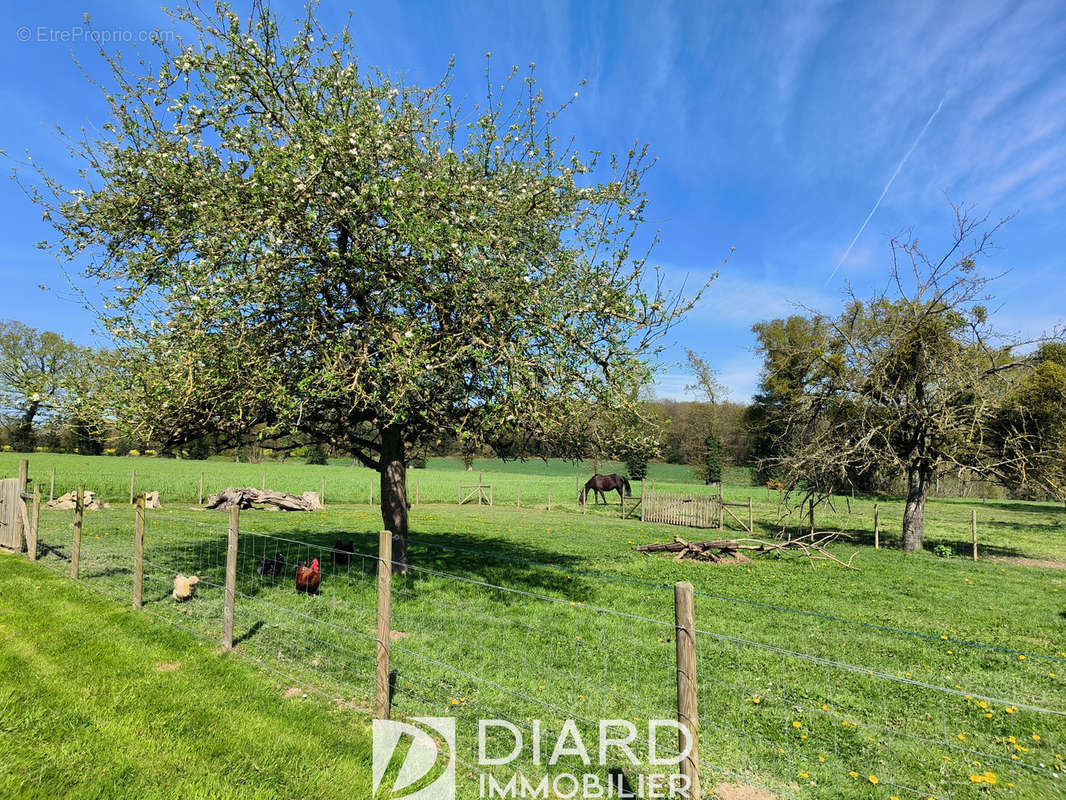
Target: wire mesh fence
(797, 722)
(804, 726)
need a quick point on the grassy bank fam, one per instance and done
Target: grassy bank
(97, 701)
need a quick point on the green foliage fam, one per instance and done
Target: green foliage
(316, 454)
(440, 270)
(1029, 430)
(943, 551)
(637, 466)
(711, 465)
(42, 376)
(792, 351)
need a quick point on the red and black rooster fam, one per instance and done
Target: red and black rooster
(308, 578)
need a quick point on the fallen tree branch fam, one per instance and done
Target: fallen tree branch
(258, 498)
(812, 545)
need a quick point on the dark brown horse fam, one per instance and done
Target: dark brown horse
(605, 483)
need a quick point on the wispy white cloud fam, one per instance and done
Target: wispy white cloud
(884, 191)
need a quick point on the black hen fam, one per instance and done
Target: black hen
(342, 552)
(271, 566)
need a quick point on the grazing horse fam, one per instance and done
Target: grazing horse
(605, 483)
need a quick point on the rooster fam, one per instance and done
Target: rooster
(342, 552)
(308, 578)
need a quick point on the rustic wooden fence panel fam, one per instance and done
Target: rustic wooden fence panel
(691, 510)
(10, 519)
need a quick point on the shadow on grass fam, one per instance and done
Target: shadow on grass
(434, 558)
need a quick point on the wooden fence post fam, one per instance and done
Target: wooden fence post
(52, 487)
(231, 578)
(812, 512)
(201, 501)
(24, 477)
(721, 507)
(877, 528)
(133, 484)
(643, 500)
(549, 498)
(35, 521)
(687, 695)
(490, 494)
(973, 530)
(418, 491)
(371, 492)
(264, 485)
(383, 708)
(751, 517)
(138, 553)
(519, 494)
(79, 513)
(323, 498)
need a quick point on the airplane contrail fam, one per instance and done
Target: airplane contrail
(888, 186)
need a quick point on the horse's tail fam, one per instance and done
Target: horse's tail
(625, 481)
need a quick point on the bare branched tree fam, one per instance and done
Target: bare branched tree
(909, 382)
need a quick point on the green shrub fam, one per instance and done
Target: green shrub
(316, 454)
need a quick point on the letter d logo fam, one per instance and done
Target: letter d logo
(422, 773)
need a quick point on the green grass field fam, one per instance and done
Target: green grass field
(97, 701)
(522, 614)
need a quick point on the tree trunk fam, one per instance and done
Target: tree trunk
(23, 436)
(914, 512)
(394, 493)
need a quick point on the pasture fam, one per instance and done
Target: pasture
(912, 674)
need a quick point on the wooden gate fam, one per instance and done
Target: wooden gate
(692, 510)
(12, 512)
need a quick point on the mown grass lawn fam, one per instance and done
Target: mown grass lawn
(97, 701)
(910, 645)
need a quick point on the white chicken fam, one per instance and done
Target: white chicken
(184, 587)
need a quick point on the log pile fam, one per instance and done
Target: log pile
(68, 501)
(248, 497)
(722, 551)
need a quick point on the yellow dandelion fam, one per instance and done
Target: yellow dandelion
(853, 774)
(873, 779)
(797, 724)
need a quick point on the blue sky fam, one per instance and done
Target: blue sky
(777, 127)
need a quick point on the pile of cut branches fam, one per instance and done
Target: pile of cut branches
(719, 551)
